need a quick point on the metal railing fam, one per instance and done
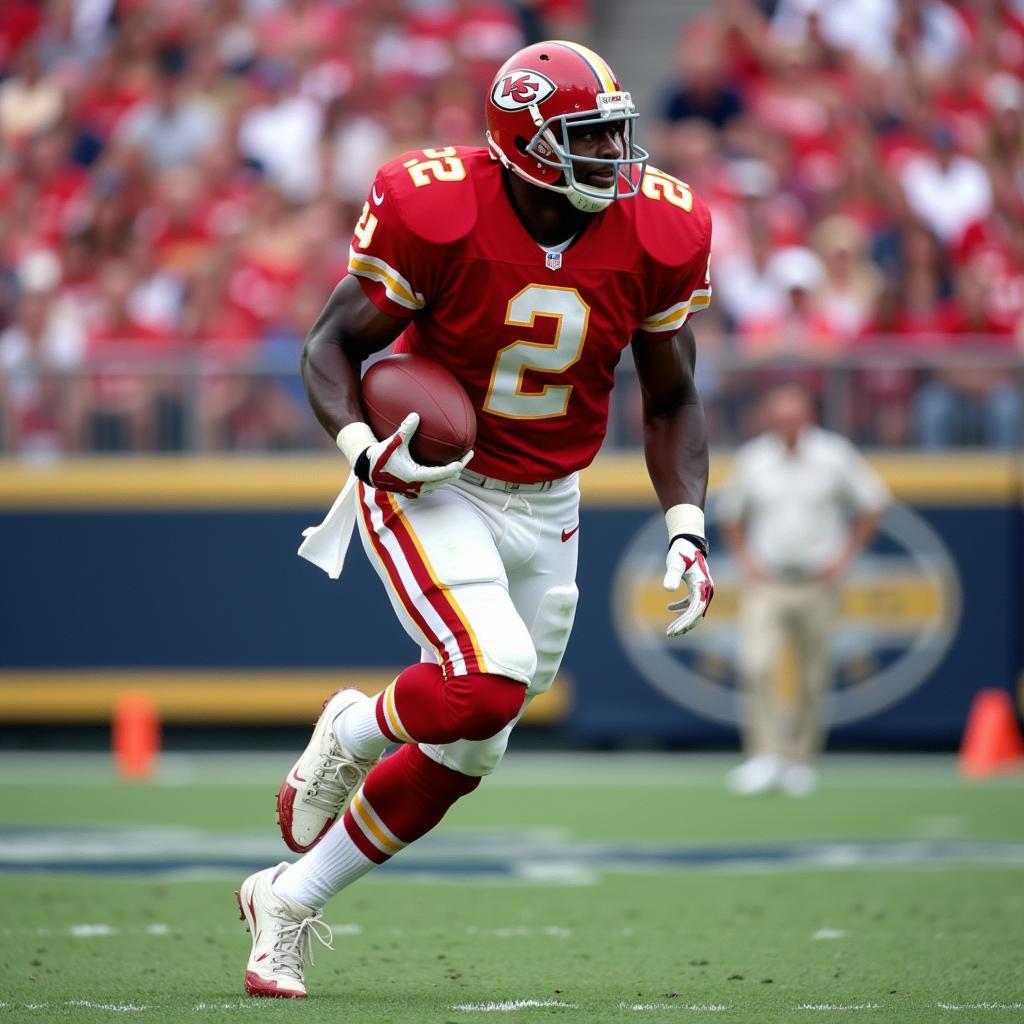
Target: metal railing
(884, 395)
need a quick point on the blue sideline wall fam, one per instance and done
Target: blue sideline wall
(179, 577)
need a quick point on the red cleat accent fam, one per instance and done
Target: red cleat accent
(281, 932)
(286, 802)
(257, 986)
(285, 807)
(324, 774)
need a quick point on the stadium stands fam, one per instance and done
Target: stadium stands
(178, 183)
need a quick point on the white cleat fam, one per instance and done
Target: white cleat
(282, 933)
(755, 776)
(798, 779)
(322, 781)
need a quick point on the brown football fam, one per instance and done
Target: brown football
(397, 385)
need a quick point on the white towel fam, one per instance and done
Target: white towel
(326, 545)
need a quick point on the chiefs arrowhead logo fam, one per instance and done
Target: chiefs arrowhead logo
(520, 89)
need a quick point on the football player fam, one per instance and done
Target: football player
(525, 268)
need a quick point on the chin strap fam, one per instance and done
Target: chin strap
(585, 203)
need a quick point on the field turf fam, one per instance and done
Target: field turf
(583, 889)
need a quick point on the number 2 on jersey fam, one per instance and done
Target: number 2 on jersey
(505, 395)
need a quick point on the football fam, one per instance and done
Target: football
(397, 385)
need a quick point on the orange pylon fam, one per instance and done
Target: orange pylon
(992, 741)
(135, 735)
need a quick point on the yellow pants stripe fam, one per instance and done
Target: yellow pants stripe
(391, 714)
(376, 833)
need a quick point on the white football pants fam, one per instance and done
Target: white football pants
(483, 580)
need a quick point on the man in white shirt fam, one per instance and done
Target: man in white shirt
(799, 507)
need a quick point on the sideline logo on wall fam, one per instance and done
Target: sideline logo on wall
(899, 612)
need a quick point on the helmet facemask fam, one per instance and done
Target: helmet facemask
(551, 146)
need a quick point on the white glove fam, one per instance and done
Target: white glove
(388, 465)
(685, 561)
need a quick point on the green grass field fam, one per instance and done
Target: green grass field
(589, 889)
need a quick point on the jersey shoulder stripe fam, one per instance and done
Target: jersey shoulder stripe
(396, 287)
(675, 316)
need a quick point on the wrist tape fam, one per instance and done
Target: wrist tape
(353, 441)
(685, 521)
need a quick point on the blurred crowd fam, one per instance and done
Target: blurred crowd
(864, 160)
(179, 179)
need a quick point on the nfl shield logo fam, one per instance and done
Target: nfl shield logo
(553, 260)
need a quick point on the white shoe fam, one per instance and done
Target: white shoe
(757, 775)
(798, 779)
(322, 781)
(282, 933)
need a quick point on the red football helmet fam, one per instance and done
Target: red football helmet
(537, 96)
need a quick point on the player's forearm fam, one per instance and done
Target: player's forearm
(676, 450)
(331, 378)
(348, 329)
(675, 435)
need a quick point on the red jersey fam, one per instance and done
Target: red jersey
(534, 337)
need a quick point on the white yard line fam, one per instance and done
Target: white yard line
(565, 873)
(829, 933)
(980, 1006)
(691, 1007)
(83, 1004)
(839, 1006)
(112, 1007)
(507, 1006)
(239, 1004)
(91, 931)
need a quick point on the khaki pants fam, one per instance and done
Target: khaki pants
(785, 632)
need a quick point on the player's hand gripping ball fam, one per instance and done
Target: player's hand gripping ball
(425, 419)
(685, 563)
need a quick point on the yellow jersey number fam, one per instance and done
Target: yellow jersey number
(435, 165)
(659, 185)
(505, 395)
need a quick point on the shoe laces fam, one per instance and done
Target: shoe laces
(294, 943)
(335, 778)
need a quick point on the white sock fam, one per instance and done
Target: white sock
(334, 863)
(356, 729)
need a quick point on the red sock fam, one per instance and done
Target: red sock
(403, 798)
(421, 706)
